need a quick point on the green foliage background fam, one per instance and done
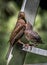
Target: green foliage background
(9, 10)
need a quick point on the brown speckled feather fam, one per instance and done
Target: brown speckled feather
(31, 35)
(19, 28)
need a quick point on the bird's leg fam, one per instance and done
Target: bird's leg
(21, 45)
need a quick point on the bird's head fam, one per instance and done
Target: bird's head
(22, 16)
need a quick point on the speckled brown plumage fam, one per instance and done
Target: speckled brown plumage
(24, 28)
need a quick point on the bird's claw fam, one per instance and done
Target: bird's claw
(26, 46)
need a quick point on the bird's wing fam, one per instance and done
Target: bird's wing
(17, 33)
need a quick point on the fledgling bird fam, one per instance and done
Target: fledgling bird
(31, 35)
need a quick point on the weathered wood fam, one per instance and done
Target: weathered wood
(18, 56)
(31, 10)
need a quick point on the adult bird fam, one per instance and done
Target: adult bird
(19, 29)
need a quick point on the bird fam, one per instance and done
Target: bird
(32, 35)
(19, 28)
(17, 32)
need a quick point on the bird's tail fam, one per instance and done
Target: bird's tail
(41, 42)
